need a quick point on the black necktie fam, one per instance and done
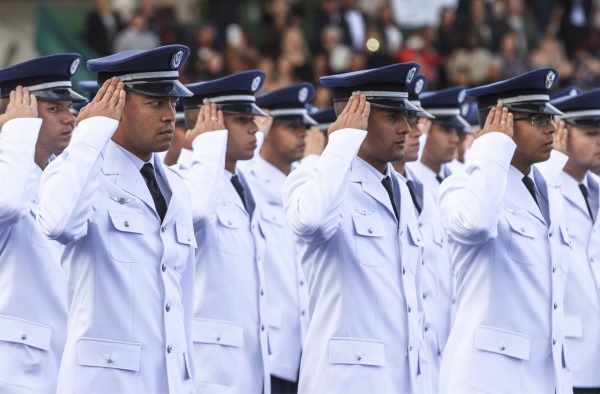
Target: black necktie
(439, 178)
(239, 188)
(411, 188)
(585, 193)
(160, 204)
(531, 187)
(387, 183)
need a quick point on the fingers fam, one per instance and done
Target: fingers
(100, 94)
(490, 117)
(361, 103)
(220, 116)
(213, 112)
(504, 116)
(32, 100)
(110, 90)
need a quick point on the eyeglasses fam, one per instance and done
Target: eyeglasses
(537, 119)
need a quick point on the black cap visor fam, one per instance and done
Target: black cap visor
(540, 107)
(241, 108)
(584, 122)
(399, 104)
(456, 121)
(306, 120)
(160, 88)
(60, 94)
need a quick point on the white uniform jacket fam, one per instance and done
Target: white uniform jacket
(287, 298)
(230, 325)
(582, 294)
(438, 279)
(33, 289)
(130, 278)
(427, 176)
(364, 271)
(511, 268)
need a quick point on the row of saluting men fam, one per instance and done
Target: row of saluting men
(352, 270)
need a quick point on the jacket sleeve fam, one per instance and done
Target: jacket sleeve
(17, 151)
(204, 176)
(315, 191)
(187, 290)
(470, 200)
(70, 183)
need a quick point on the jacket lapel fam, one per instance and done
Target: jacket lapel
(519, 196)
(371, 185)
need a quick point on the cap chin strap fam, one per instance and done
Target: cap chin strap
(232, 98)
(525, 98)
(290, 111)
(148, 76)
(50, 85)
(581, 114)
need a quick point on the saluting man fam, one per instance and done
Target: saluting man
(127, 226)
(573, 174)
(230, 317)
(36, 126)
(360, 244)
(510, 248)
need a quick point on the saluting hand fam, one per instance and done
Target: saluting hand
(499, 119)
(209, 119)
(109, 101)
(315, 142)
(560, 138)
(355, 114)
(21, 104)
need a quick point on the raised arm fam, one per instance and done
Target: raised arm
(69, 184)
(314, 192)
(470, 199)
(20, 129)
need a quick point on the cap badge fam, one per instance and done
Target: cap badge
(411, 73)
(255, 84)
(74, 66)
(550, 79)
(461, 95)
(302, 95)
(419, 86)
(176, 59)
(573, 92)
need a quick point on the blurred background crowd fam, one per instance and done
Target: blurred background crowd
(457, 42)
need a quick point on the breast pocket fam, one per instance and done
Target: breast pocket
(186, 243)
(218, 347)
(499, 350)
(522, 238)
(231, 233)
(415, 247)
(126, 236)
(356, 365)
(369, 239)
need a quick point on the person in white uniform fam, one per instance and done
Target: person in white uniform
(442, 139)
(360, 243)
(36, 126)
(287, 300)
(230, 315)
(126, 222)
(510, 248)
(438, 279)
(573, 174)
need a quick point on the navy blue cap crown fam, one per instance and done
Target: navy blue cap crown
(47, 77)
(232, 94)
(470, 112)
(415, 88)
(89, 86)
(385, 87)
(289, 103)
(568, 92)
(583, 109)
(528, 92)
(324, 117)
(152, 72)
(446, 105)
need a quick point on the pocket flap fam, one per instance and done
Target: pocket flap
(573, 328)
(521, 225)
(109, 354)
(501, 341)
(368, 225)
(356, 351)
(565, 234)
(28, 333)
(272, 214)
(228, 217)
(274, 316)
(218, 332)
(127, 222)
(185, 234)
(415, 235)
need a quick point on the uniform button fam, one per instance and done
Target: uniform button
(33, 201)
(502, 348)
(262, 327)
(229, 222)
(523, 229)
(262, 292)
(303, 313)
(168, 307)
(410, 348)
(555, 305)
(553, 269)
(419, 239)
(163, 229)
(109, 359)
(126, 223)
(163, 267)
(426, 327)
(409, 308)
(403, 270)
(23, 337)
(592, 260)
(370, 230)
(218, 338)
(424, 296)
(169, 349)
(301, 283)
(358, 357)
(550, 233)
(554, 341)
(420, 224)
